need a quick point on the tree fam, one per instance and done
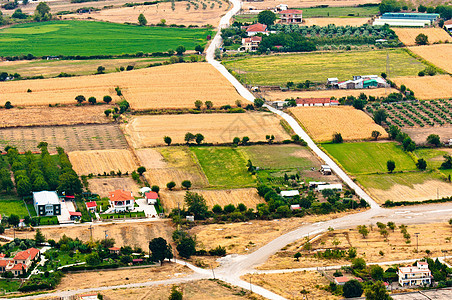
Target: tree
(297, 256)
(384, 75)
(266, 17)
(199, 49)
(245, 140)
(358, 264)
(107, 99)
(390, 6)
(447, 164)
(408, 144)
(70, 183)
(208, 104)
(141, 170)
(376, 272)
(337, 138)
(100, 70)
(189, 137)
(107, 112)
(92, 100)
(167, 140)
(175, 294)
(352, 288)
(80, 98)
(441, 23)
(258, 102)
(142, 20)
(422, 8)
(359, 103)
(216, 209)
(390, 164)
(380, 115)
(199, 138)
(434, 139)
(198, 104)
(8, 105)
(93, 259)
(186, 184)
(170, 185)
(160, 249)
(180, 50)
(155, 188)
(236, 141)
(421, 39)
(42, 12)
(375, 134)
(421, 164)
(186, 247)
(13, 220)
(377, 292)
(393, 132)
(197, 205)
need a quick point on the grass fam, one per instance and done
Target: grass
(335, 12)
(139, 214)
(386, 181)
(11, 204)
(369, 157)
(225, 167)
(48, 220)
(278, 156)
(7, 285)
(280, 69)
(89, 38)
(433, 157)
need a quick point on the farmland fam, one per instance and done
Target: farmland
(336, 21)
(408, 35)
(317, 67)
(322, 122)
(306, 3)
(345, 11)
(102, 161)
(436, 54)
(428, 87)
(102, 186)
(94, 38)
(12, 205)
(71, 138)
(419, 135)
(148, 131)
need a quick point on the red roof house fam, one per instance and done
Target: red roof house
(291, 16)
(151, 197)
(26, 254)
(91, 205)
(114, 250)
(255, 29)
(121, 200)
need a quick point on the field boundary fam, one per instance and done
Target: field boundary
(424, 61)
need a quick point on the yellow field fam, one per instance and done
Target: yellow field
(266, 4)
(336, 21)
(247, 196)
(103, 186)
(281, 96)
(322, 122)
(148, 131)
(100, 161)
(170, 88)
(428, 87)
(439, 55)
(408, 35)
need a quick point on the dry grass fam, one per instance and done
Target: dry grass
(100, 161)
(148, 131)
(304, 3)
(434, 237)
(155, 13)
(408, 35)
(171, 164)
(102, 186)
(289, 285)
(151, 88)
(438, 55)
(419, 135)
(118, 277)
(428, 87)
(336, 21)
(249, 197)
(281, 96)
(322, 122)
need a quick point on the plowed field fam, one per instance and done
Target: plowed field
(428, 87)
(100, 161)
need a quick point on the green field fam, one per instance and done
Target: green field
(386, 181)
(88, 38)
(368, 157)
(279, 156)
(433, 157)
(317, 67)
(10, 204)
(335, 12)
(225, 167)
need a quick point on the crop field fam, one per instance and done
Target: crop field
(433, 157)
(336, 21)
(71, 138)
(428, 87)
(94, 38)
(167, 164)
(305, 3)
(100, 161)
(46, 116)
(10, 204)
(148, 131)
(408, 35)
(317, 67)
(345, 11)
(280, 156)
(439, 55)
(102, 186)
(322, 122)
(225, 167)
(247, 196)
(184, 13)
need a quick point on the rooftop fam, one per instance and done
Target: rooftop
(46, 197)
(91, 204)
(29, 253)
(120, 195)
(291, 11)
(258, 27)
(151, 195)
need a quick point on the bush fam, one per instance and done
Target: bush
(352, 288)
(337, 138)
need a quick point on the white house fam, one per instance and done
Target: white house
(291, 193)
(46, 203)
(121, 200)
(415, 275)
(336, 186)
(151, 197)
(251, 43)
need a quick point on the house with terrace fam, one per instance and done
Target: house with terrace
(121, 200)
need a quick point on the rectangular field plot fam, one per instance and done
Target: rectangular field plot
(103, 186)
(71, 138)
(428, 87)
(12, 205)
(408, 35)
(439, 54)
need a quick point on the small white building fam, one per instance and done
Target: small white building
(281, 7)
(151, 197)
(325, 170)
(291, 193)
(295, 207)
(336, 186)
(415, 275)
(332, 81)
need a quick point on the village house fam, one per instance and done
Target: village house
(254, 29)
(362, 82)
(415, 275)
(251, 43)
(46, 203)
(121, 200)
(291, 16)
(316, 102)
(91, 206)
(20, 263)
(114, 250)
(151, 197)
(281, 7)
(341, 280)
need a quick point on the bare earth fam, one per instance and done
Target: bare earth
(100, 161)
(304, 3)
(419, 135)
(322, 122)
(148, 131)
(102, 186)
(336, 21)
(408, 35)
(428, 87)
(439, 54)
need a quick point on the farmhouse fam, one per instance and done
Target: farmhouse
(251, 43)
(91, 206)
(291, 16)
(114, 250)
(415, 275)
(151, 197)
(121, 200)
(316, 102)
(254, 29)
(325, 170)
(46, 203)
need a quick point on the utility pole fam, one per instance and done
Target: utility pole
(105, 231)
(251, 286)
(417, 241)
(212, 271)
(91, 231)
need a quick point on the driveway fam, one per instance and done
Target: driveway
(149, 210)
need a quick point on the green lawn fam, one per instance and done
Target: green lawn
(433, 157)
(95, 38)
(386, 181)
(279, 156)
(317, 67)
(139, 214)
(11, 204)
(225, 167)
(334, 12)
(369, 157)
(8, 285)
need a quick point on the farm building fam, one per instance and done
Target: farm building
(325, 170)
(316, 102)
(415, 275)
(291, 16)
(341, 280)
(291, 193)
(406, 19)
(281, 7)
(254, 29)
(251, 43)
(362, 82)
(151, 197)
(46, 203)
(336, 186)
(121, 200)
(448, 25)
(332, 81)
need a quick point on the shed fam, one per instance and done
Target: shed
(291, 193)
(336, 186)
(75, 215)
(190, 218)
(295, 207)
(151, 197)
(325, 170)
(332, 81)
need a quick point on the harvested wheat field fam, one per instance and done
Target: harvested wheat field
(100, 161)
(148, 131)
(103, 186)
(281, 96)
(289, 285)
(408, 35)
(150, 88)
(434, 237)
(322, 122)
(439, 55)
(154, 13)
(336, 21)
(248, 196)
(46, 116)
(167, 164)
(428, 87)
(266, 4)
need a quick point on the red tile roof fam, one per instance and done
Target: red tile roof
(449, 22)
(114, 249)
(29, 253)
(75, 213)
(91, 204)
(5, 262)
(151, 195)
(312, 100)
(258, 27)
(253, 39)
(19, 267)
(291, 11)
(120, 195)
